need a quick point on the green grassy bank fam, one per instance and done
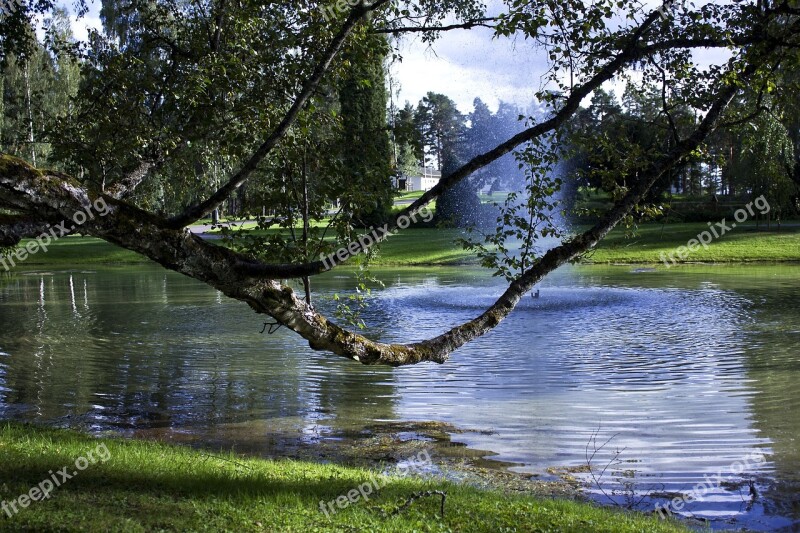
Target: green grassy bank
(430, 246)
(146, 486)
(413, 247)
(744, 243)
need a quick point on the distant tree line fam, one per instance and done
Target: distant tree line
(37, 84)
(607, 144)
(756, 154)
(436, 134)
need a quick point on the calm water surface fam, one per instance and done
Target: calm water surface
(690, 374)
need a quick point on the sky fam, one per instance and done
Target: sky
(80, 26)
(465, 64)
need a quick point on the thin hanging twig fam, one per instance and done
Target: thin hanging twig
(273, 327)
(418, 495)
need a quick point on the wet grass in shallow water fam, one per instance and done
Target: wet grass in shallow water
(147, 486)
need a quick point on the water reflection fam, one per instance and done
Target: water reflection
(689, 371)
(135, 349)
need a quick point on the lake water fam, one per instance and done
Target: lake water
(690, 374)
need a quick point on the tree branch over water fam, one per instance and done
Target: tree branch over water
(55, 196)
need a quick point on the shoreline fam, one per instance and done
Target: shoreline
(184, 487)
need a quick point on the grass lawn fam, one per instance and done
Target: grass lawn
(146, 486)
(408, 195)
(430, 246)
(742, 244)
(75, 250)
(416, 247)
(423, 246)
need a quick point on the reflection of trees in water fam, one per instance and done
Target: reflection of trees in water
(5, 279)
(145, 349)
(138, 348)
(40, 317)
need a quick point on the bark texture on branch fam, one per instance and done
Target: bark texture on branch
(14, 228)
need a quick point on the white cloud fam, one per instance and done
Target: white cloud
(81, 26)
(465, 64)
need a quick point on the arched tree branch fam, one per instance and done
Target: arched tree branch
(183, 252)
(52, 196)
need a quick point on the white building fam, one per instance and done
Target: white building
(424, 180)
